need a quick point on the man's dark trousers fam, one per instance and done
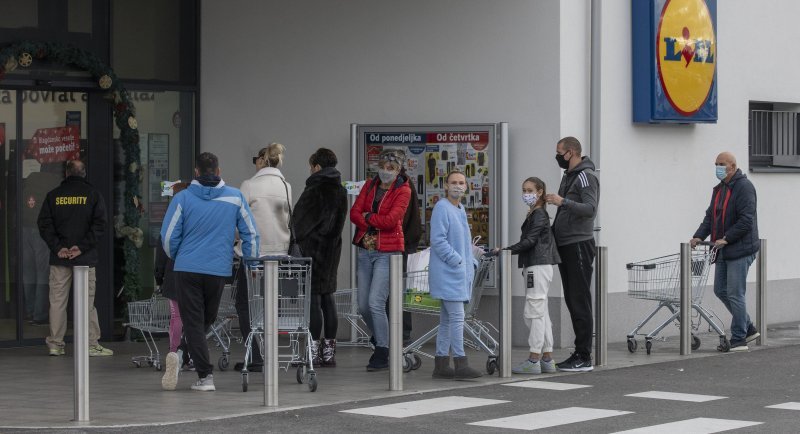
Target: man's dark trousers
(576, 267)
(243, 312)
(198, 299)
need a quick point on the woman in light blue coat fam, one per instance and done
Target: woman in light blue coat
(450, 274)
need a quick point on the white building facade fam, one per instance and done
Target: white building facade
(301, 72)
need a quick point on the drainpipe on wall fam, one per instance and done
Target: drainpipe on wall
(594, 97)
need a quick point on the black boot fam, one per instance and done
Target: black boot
(463, 371)
(379, 360)
(442, 369)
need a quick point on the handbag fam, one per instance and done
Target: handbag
(294, 248)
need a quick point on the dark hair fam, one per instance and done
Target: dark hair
(207, 163)
(454, 172)
(75, 168)
(571, 144)
(324, 157)
(540, 185)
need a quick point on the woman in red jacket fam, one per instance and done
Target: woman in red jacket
(378, 215)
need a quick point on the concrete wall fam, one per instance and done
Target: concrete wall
(301, 72)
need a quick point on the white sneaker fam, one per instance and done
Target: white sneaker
(170, 379)
(205, 384)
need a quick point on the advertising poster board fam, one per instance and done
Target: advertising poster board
(432, 151)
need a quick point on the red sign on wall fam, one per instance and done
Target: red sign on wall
(51, 145)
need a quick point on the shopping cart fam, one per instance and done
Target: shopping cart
(294, 306)
(479, 335)
(659, 279)
(149, 316)
(221, 331)
(347, 309)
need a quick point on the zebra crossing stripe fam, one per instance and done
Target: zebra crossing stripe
(700, 425)
(550, 418)
(547, 385)
(424, 406)
(786, 406)
(655, 394)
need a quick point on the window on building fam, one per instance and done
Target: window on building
(774, 137)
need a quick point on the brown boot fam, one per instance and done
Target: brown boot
(329, 353)
(463, 371)
(442, 369)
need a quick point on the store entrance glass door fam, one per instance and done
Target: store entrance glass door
(49, 129)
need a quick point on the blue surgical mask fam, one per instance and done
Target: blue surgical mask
(529, 198)
(722, 172)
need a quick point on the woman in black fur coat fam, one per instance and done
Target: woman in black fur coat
(318, 219)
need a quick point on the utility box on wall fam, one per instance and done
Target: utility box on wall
(674, 50)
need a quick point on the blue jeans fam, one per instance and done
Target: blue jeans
(373, 292)
(451, 329)
(730, 283)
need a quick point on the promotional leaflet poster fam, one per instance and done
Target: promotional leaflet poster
(430, 156)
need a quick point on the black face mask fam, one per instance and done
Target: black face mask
(562, 162)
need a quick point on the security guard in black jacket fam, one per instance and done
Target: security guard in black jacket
(71, 222)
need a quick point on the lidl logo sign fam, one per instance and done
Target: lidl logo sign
(674, 61)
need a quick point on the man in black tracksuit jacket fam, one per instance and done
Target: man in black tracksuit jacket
(71, 222)
(573, 227)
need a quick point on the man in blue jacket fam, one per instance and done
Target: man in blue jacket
(731, 221)
(198, 234)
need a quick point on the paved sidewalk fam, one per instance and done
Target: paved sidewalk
(37, 389)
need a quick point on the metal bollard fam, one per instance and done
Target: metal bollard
(80, 281)
(505, 314)
(601, 307)
(761, 293)
(396, 323)
(271, 333)
(686, 299)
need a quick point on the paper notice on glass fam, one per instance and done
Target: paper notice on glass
(353, 187)
(166, 188)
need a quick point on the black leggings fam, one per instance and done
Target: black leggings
(323, 309)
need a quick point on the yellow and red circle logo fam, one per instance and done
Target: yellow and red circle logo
(686, 54)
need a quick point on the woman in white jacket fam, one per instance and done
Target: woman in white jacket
(269, 197)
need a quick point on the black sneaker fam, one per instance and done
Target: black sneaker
(576, 363)
(572, 358)
(752, 334)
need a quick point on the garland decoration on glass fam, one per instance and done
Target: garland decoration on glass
(126, 225)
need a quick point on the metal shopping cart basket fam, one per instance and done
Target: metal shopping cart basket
(149, 316)
(479, 335)
(659, 279)
(294, 306)
(347, 309)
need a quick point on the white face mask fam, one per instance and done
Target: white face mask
(387, 176)
(529, 198)
(456, 191)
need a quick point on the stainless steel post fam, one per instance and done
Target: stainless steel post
(505, 314)
(686, 299)
(80, 281)
(396, 323)
(271, 333)
(601, 306)
(761, 293)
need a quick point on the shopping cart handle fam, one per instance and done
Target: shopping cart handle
(642, 266)
(706, 243)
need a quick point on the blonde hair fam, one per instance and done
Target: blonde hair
(272, 154)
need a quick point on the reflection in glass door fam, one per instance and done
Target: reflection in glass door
(8, 298)
(50, 131)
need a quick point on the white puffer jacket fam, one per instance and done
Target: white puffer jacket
(266, 194)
